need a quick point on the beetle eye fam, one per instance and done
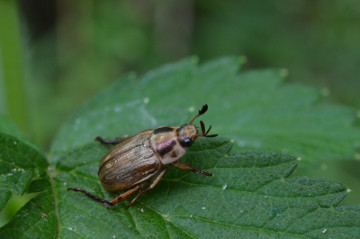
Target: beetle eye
(186, 142)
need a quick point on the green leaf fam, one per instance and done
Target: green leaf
(251, 194)
(254, 108)
(20, 165)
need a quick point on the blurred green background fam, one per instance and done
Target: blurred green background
(55, 55)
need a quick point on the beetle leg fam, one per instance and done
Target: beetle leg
(104, 141)
(153, 184)
(112, 202)
(90, 195)
(183, 166)
(126, 194)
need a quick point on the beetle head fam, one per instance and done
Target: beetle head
(187, 133)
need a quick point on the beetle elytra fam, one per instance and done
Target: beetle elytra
(137, 159)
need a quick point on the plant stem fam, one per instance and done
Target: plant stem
(11, 64)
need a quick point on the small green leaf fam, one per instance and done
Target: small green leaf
(20, 164)
(37, 219)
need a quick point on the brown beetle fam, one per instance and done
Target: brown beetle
(139, 158)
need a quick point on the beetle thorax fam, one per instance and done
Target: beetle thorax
(165, 143)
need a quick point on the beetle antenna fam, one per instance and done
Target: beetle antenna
(202, 127)
(208, 130)
(205, 134)
(201, 112)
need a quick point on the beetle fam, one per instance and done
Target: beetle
(137, 159)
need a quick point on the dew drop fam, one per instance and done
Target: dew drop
(224, 187)
(203, 208)
(324, 231)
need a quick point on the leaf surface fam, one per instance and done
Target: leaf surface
(20, 165)
(255, 109)
(251, 193)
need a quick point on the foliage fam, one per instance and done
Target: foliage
(254, 108)
(251, 193)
